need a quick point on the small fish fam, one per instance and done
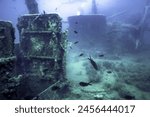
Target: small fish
(75, 32)
(93, 63)
(70, 44)
(101, 55)
(84, 84)
(76, 22)
(54, 88)
(76, 42)
(70, 47)
(55, 9)
(81, 54)
(109, 72)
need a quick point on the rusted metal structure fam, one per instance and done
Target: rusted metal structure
(32, 6)
(43, 53)
(8, 83)
(87, 29)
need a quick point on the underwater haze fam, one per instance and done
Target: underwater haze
(107, 48)
(12, 9)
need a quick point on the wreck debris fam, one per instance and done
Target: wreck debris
(43, 50)
(32, 6)
(94, 7)
(117, 14)
(6, 39)
(7, 62)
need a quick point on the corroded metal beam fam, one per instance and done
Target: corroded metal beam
(32, 6)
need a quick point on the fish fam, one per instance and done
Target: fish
(109, 72)
(84, 84)
(70, 47)
(101, 55)
(93, 63)
(75, 32)
(76, 42)
(76, 22)
(81, 54)
(54, 88)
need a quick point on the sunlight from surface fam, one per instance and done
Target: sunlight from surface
(65, 8)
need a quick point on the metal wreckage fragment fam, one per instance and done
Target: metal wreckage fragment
(38, 66)
(8, 81)
(32, 6)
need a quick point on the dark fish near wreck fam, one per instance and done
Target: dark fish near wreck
(109, 72)
(81, 54)
(93, 63)
(70, 47)
(76, 22)
(101, 55)
(84, 84)
(76, 42)
(75, 32)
